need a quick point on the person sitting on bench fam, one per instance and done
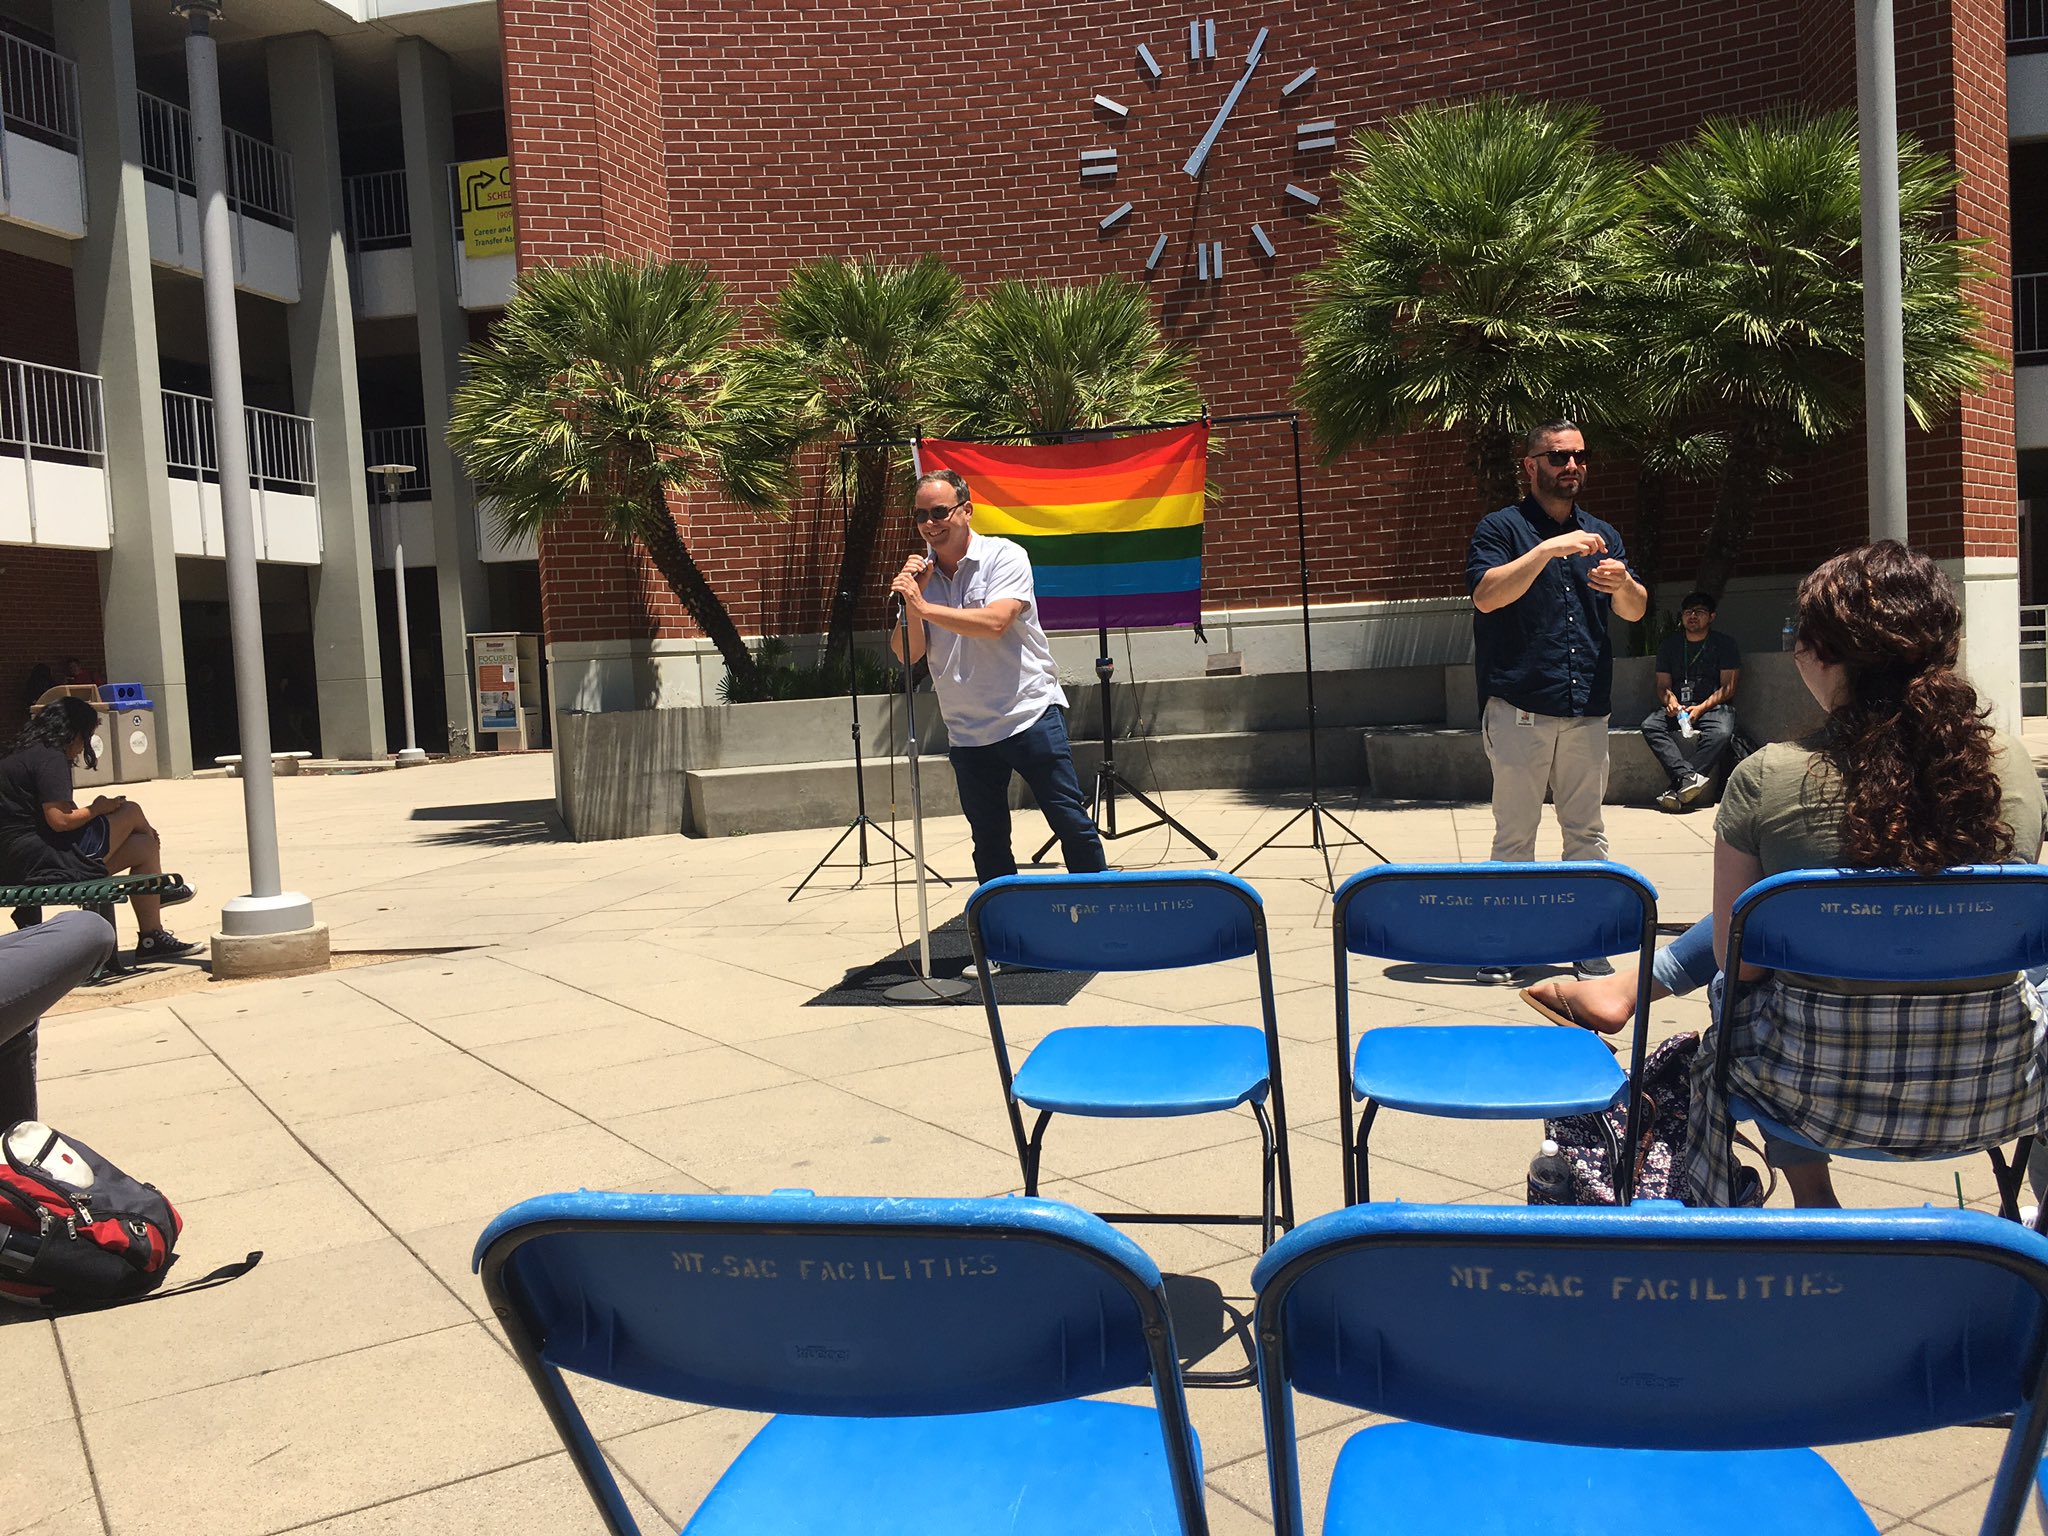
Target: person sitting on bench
(1693, 724)
(46, 838)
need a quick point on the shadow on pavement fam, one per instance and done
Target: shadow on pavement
(497, 823)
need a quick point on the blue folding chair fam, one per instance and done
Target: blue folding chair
(1580, 1370)
(930, 1362)
(1475, 915)
(1143, 922)
(1880, 925)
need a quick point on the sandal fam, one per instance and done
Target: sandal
(1561, 1012)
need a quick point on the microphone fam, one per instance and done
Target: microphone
(896, 598)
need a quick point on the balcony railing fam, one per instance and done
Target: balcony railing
(259, 174)
(51, 413)
(2026, 25)
(38, 93)
(375, 211)
(280, 445)
(399, 445)
(2033, 659)
(2030, 317)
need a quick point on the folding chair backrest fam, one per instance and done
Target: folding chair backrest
(1117, 922)
(1877, 925)
(1495, 914)
(832, 1307)
(1656, 1327)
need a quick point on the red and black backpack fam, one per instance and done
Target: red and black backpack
(74, 1229)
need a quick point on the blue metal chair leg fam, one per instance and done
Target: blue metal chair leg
(2008, 1174)
(1360, 1175)
(1614, 1153)
(1269, 1167)
(1032, 1150)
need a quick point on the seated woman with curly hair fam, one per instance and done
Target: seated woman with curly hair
(47, 838)
(1904, 774)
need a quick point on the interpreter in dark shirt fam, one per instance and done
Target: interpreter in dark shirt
(47, 838)
(1693, 725)
(1544, 575)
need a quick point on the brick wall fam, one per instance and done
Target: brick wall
(49, 610)
(39, 322)
(836, 127)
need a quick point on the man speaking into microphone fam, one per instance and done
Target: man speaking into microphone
(973, 610)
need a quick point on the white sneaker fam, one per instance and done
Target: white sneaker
(1498, 975)
(1669, 801)
(1693, 788)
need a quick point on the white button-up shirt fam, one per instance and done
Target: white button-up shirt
(990, 689)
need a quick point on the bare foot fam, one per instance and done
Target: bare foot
(1593, 1004)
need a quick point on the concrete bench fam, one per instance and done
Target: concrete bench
(282, 764)
(1424, 762)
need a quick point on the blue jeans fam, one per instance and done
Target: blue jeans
(1041, 756)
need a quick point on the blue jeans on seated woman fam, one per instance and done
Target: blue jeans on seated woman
(1041, 756)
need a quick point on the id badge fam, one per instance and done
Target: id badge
(1524, 717)
(1685, 693)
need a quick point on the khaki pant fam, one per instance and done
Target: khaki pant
(1565, 755)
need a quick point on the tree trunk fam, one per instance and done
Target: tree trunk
(1653, 500)
(1490, 454)
(657, 529)
(863, 525)
(1752, 456)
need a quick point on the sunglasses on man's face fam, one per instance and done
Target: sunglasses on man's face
(934, 514)
(1557, 458)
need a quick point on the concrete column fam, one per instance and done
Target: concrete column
(429, 127)
(323, 346)
(117, 340)
(1989, 586)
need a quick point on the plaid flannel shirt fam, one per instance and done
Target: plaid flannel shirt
(1912, 1074)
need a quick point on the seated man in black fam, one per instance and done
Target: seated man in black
(1694, 721)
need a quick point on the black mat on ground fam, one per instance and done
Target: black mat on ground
(863, 986)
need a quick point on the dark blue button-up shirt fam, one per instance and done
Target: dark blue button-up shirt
(1547, 651)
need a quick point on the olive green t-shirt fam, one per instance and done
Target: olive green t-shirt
(1783, 807)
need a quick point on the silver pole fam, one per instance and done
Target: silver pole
(268, 908)
(1884, 329)
(388, 477)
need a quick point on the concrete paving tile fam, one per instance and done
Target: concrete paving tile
(1177, 1248)
(878, 1041)
(287, 1055)
(636, 1087)
(1962, 1514)
(575, 1048)
(284, 1220)
(33, 1371)
(108, 1040)
(1914, 1472)
(482, 1181)
(736, 1016)
(1246, 1481)
(431, 989)
(499, 1111)
(64, 1096)
(812, 1136)
(493, 1025)
(324, 1002)
(45, 1487)
(1230, 1174)
(311, 1096)
(540, 1495)
(290, 1446)
(251, 1156)
(282, 1313)
(677, 1463)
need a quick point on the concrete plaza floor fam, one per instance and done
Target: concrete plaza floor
(630, 1016)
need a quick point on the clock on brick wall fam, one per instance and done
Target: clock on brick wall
(1231, 80)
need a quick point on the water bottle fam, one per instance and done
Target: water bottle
(1788, 634)
(1685, 724)
(1550, 1177)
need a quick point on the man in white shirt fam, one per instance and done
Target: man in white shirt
(973, 610)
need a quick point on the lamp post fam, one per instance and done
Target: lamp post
(388, 476)
(1884, 333)
(271, 929)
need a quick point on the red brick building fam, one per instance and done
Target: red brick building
(752, 136)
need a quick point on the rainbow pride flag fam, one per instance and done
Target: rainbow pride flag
(1113, 527)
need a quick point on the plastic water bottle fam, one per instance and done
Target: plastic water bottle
(1550, 1177)
(1789, 634)
(1685, 724)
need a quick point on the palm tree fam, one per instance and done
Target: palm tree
(1749, 249)
(1475, 261)
(1036, 357)
(850, 345)
(606, 385)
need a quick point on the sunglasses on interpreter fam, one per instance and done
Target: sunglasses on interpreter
(934, 514)
(1557, 458)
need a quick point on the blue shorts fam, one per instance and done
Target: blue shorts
(93, 839)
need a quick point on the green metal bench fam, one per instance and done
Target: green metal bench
(100, 896)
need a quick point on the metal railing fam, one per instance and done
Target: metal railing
(2026, 21)
(280, 444)
(2033, 659)
(51, 413)
(259, 174)
(2030, 316)
(38, 92)
(374, 211)
(399, 445)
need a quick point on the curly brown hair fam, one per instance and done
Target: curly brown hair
(1909, 741)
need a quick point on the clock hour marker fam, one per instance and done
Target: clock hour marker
(1112, 106)
(1194, 40)
(1216, 259)
(1265, 243)
(1098, 162)
(1258, 48)
(1304, 194)
(1309, 136)
(1298, 81)
(1113, 215)
(1209, 37)
(1151, 64)
(1158, 250)
(1201, 263)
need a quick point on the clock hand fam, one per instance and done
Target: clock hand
(1201, 154)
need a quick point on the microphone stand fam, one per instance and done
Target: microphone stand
(924, 987)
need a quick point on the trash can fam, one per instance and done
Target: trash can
(106, 768)
(133, 731)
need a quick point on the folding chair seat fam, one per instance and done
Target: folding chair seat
(1137, 922)
(1568, 1371)
(1885, 926)
(1477, 915)
(933, 1365)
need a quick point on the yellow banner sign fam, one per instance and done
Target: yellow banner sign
(485, 190)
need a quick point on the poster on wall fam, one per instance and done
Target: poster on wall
(497, 709)
(484, 190)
